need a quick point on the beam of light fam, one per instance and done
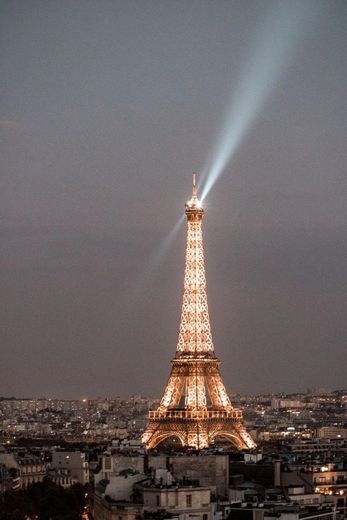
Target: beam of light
(272, 49)
(159, 255)
(141, 282)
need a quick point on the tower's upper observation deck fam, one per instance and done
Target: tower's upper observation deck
(194, 209)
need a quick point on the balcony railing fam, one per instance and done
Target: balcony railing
(235, 415)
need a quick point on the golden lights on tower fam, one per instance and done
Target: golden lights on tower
(195, 407)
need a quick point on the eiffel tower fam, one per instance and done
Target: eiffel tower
(195, 408)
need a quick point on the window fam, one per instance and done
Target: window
(258, 515)
(158, 500)
(204, 517)
(189, 500)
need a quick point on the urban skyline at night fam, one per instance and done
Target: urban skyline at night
(173, 271)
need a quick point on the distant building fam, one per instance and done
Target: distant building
(331, 432)
(68, 467)
(114, 496)
(318, 446)
(277, 404)
(31, 469)
(9, 478)
(280, 511)
(188, 500)
(209, 469)
(130, 495)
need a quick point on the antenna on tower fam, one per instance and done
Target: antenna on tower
(194, 184)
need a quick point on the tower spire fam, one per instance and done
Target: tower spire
(195, 407)
(194, 191)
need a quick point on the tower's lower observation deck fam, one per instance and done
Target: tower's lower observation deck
(193, 415)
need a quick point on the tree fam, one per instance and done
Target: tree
(45, 499)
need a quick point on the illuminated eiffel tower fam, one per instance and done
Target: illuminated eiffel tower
(195, 407)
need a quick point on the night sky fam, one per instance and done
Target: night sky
(106, 107)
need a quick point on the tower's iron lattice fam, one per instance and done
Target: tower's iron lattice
(195, 407)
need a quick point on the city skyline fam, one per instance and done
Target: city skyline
(156, 398)
(106, 111)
